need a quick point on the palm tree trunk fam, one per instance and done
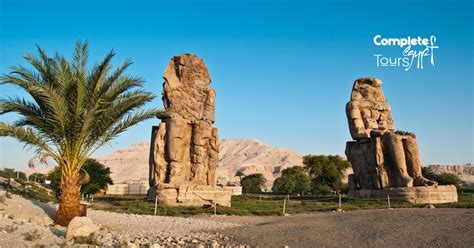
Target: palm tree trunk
(69, 206)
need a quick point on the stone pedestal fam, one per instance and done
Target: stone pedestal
(415, 195)
(191, 195)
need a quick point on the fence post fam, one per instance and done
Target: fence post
(215, 205)
(284, 206)
(388, 200)
(156, 201)
(339, 201)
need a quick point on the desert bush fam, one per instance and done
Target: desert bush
(32, 235)
(2, 199)
(89, 240)
(10, 228)
(32, 191)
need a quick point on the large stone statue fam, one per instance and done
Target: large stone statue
(381, 157)
(184, 148)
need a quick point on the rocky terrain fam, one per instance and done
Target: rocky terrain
(28, 223)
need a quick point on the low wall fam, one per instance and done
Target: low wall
(127, 189)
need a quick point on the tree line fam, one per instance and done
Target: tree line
(320, 174)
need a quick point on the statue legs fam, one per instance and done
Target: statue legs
(393, 145)
(177, 130)
(414, 162)
(405, 157)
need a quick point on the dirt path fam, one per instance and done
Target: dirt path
(365, 228)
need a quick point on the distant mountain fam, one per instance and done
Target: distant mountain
(465, 172)
(128, 164)
(252, 156)
(246, 155)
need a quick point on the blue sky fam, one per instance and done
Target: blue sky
(283, 70)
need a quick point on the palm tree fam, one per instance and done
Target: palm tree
(73, 110)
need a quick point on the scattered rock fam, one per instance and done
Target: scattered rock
(80, 227)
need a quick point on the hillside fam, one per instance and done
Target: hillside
(465, 172)
(246, 155)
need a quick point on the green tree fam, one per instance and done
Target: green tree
(71, 111)
(293, 180)
(37, 177)
(326, 170)
(12, 173)
(54, 176)
(253, 183)
(98, 174)
(239, 174)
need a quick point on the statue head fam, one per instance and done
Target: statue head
(368, 112)
(186, 90)
(368, 88)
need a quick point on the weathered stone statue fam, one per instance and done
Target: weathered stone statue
(184, 148)
(381, 157)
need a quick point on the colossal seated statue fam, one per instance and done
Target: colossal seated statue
(380, 156)
(184, 148)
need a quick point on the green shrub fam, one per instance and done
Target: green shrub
(442, 178)
(322, 189)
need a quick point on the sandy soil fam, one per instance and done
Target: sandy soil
(363, 228)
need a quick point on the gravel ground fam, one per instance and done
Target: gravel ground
(21, 218)
(363, 228)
